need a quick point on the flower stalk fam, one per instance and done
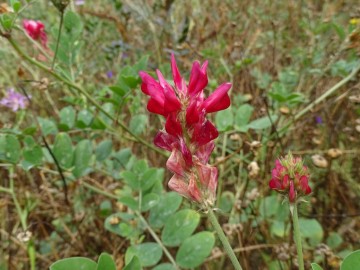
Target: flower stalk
(297, 236)
(227, 247)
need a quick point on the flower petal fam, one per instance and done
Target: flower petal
(275, 184)
(204, 133)
(173, 125)
(166, 141)
(193, 188)
(178, 80)
(292, 192)
(177, 183)
(218, 100)
(203, 152)
(198, 78)
(176, 163)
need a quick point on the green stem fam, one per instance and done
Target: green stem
(228, 249)
(58, 38)
(297, 236)
(86, 94)
(143, 220)
(157, 239)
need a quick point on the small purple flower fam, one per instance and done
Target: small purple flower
(318, 120)
(109, 74)
(79, 2)
(14, 100)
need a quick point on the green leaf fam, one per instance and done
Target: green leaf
(263, 122)
(352, 261)
(103, 150)
(279, 229)
(9, 148)
(63, 150)
(224, 120)
(117, 225)
(82, 157)
(164, 266)
(242, 117)
(148, 179)
(334, 240)
(269, 206)
(47, 126)
(84, 119)
(315, 266)
(149, 201)
(119, 89)
(167, 205)
(149, 254)
(134, 264)
(106, 262)
(6, 20)
(311, 229)
(226, 201)
(67, 116)
(195, 249)
(109, 108)
(32, 156)
(73, 24)
(138, 123)
(77, 263)
(130, 202)
(179, 226)
(131, 179)
(16, 5)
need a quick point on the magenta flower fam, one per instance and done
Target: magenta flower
(188, 134)
(290, 177)
(14, 100)
(36, 30)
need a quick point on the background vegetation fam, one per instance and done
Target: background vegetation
(285, 60)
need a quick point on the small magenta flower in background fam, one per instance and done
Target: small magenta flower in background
(14, 100)
(36, 30)
(188, 135)
(290, 177)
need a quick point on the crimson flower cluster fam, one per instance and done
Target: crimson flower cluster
(290, 177)
(188, 135)
(36, 30)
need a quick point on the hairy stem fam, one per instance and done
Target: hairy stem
(228, 249)
(297, 236)
(58, 38)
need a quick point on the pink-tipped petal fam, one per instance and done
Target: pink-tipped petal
(176, 163)
(304, 184)
(213, 182)
(176, 74)
(185, 152)
(194, 191)
(198, 79)
(204, 133)
(203, 152)
(218, 100)
(275, 184)
(177, 183)
(166, 141)
(192, 113)
(292, 192)
(173, 125)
